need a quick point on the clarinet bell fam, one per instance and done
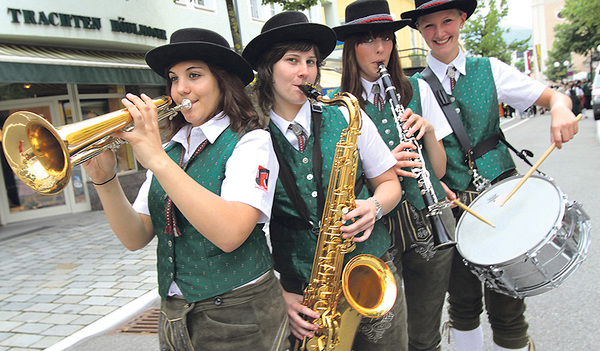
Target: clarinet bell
(441, 239)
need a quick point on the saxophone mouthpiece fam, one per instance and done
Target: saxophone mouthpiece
(310, 90)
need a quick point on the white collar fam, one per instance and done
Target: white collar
(302, 118)
(210, 130)
(368, 86)
(439, 68)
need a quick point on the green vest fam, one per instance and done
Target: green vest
(293, 245)
(476, 100)
(200, 269)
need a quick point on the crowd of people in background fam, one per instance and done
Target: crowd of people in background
(579, 91)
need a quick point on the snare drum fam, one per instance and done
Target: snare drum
(540, 237)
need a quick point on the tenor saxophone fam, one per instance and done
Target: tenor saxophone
(365, 286)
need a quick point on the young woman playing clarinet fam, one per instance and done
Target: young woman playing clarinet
(369, 38)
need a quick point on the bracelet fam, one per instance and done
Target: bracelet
(111, 178)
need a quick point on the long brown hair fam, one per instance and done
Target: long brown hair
(351, 75)
(234, 102)
(264, 79)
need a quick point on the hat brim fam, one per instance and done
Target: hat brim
(163, 57)
(323, 37)
(468, 6)
(346, 30)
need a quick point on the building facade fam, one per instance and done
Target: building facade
(546, 15)
(68, 61)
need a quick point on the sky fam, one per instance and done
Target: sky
(519, 14)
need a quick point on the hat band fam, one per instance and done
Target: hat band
(372, 18)
(424, 6)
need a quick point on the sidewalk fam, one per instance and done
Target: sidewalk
(66, 283)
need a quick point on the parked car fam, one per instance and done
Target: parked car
(596, 93)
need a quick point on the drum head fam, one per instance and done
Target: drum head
(522, 223)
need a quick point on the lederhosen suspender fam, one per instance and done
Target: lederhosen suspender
(289, 184)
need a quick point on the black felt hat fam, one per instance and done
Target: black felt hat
(368, 16)
(289, 26)
(198, 44)
(424, 7)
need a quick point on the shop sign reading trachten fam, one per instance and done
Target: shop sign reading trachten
(85, 22)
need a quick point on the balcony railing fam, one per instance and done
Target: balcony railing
(413, 60)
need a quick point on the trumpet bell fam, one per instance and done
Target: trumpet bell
(35, 152)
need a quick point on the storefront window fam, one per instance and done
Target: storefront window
(26, 90)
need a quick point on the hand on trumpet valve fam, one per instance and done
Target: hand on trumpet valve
(145, 137)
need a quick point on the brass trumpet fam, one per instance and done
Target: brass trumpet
(42, 156)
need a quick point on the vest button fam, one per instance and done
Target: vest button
(387, 131)
(457, 110)
(218, 300)
(403, 192)
(171, 259)
(384, 120)
(305, 160)
(171, 275)
(452, 99)
(170, 243)
(309, 177)
(391, 143)
(314, 194)
(165, 196)
(400, 178)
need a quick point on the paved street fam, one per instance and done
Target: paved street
(66, 282)
(62, 274)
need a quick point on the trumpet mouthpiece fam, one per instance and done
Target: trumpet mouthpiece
(186, 104)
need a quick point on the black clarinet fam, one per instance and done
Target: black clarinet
(441, 239)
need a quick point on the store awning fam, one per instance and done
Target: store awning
(35, 64)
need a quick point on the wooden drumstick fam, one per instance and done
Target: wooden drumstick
(534, 167)
(477, 215)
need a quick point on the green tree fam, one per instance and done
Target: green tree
(483, 35)
(581, 31)
(556, 71)
(297, 5)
